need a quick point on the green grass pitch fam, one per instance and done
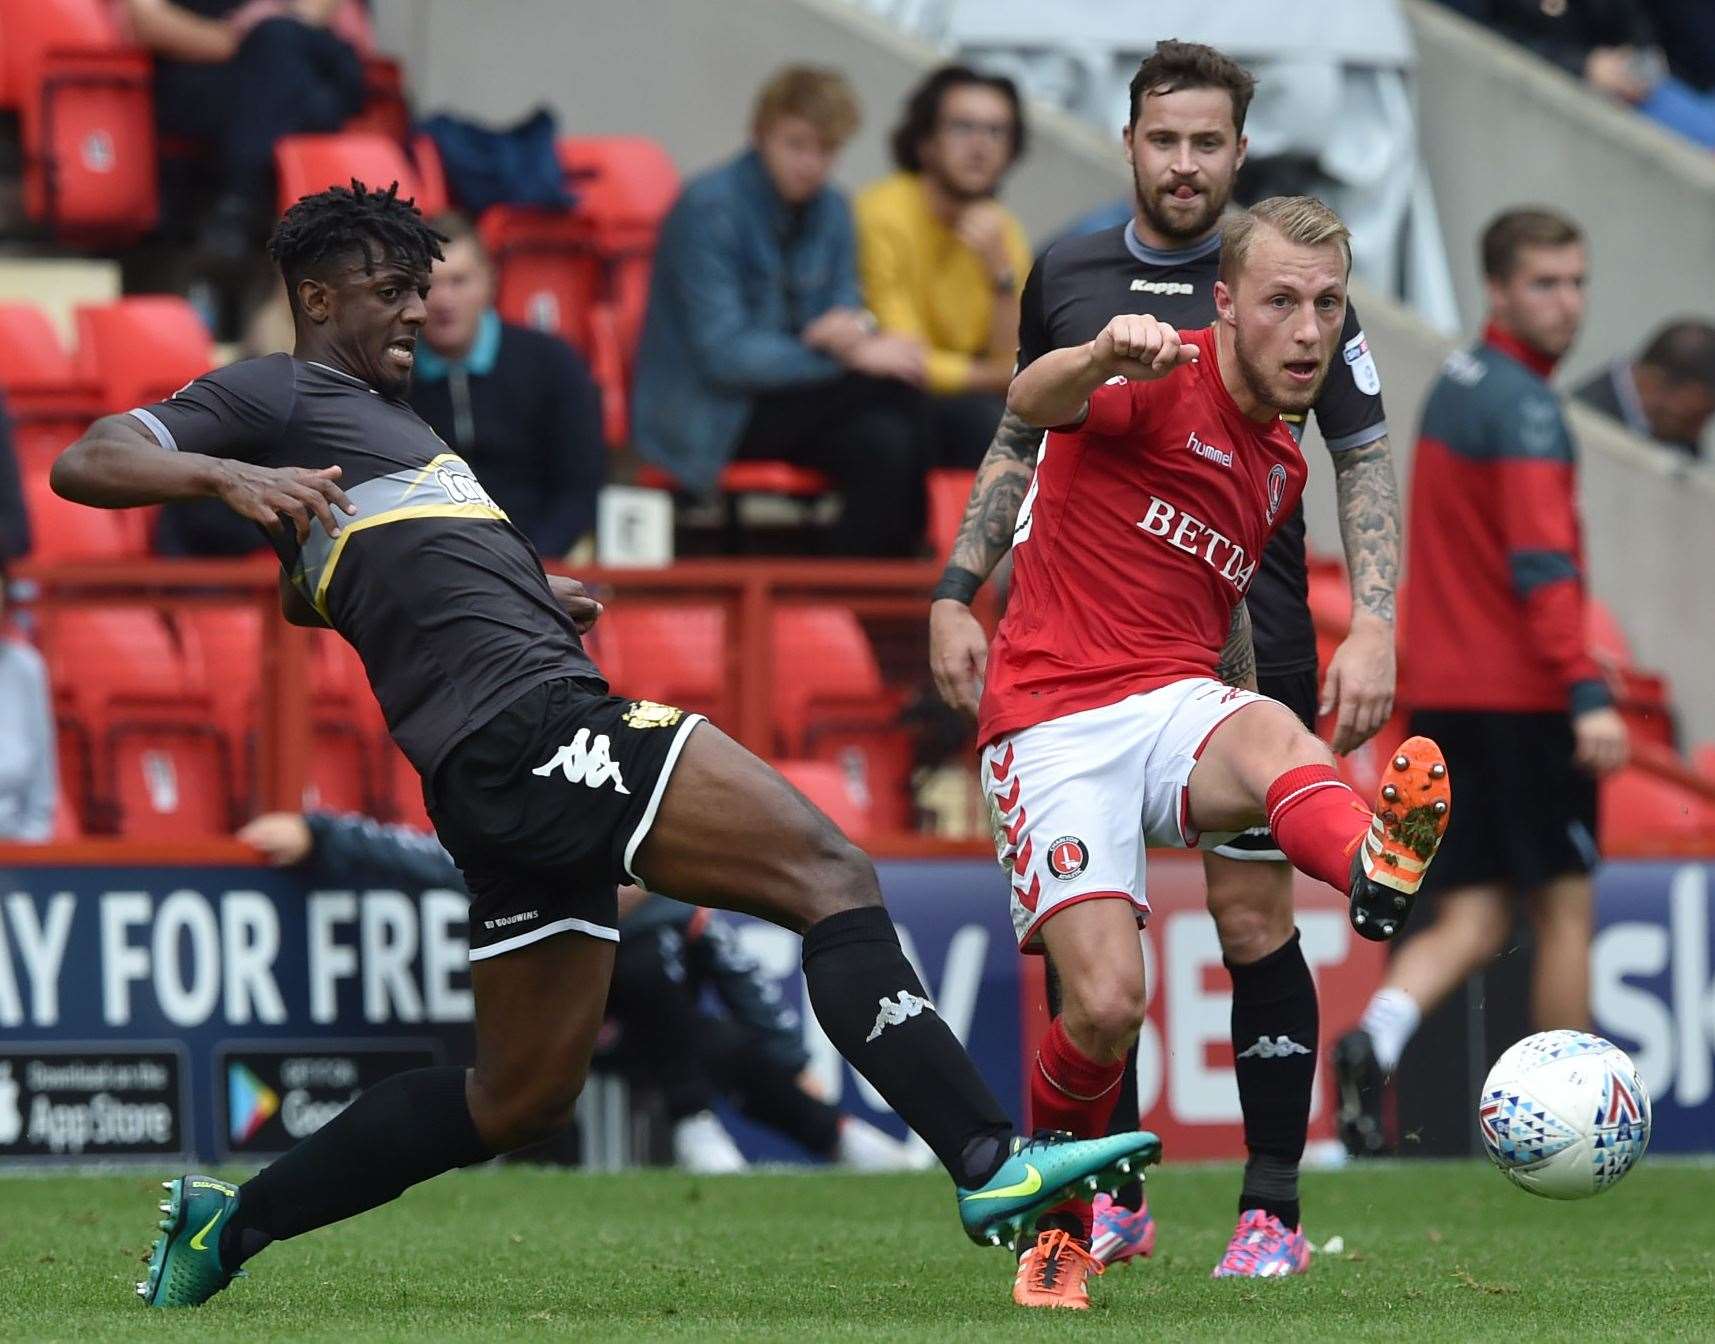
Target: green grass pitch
(1433, 1251)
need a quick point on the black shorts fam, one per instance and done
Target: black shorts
(1297, 691)
(1523, 812)
(544, 806)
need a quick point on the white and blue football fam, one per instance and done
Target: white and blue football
(1564, 1114)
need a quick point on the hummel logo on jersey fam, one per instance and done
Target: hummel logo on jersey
(1178, 528)
(1279, 1048)
(892, 1014)
(1208, 452)
(585, 761)
(1161, 287)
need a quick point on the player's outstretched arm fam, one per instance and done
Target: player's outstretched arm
(1359, 686)
(118, 464)
(1055, 390)
(958, 646)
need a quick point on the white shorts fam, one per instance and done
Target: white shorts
(1074, 800)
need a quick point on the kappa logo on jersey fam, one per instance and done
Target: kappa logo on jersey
(585, 760)
(1276, 489)
(1162, 287)
(1179, 529)
(1067, 857)
(1279, 1048)
(1208, 451)
(892, 1013)
(1363, 365)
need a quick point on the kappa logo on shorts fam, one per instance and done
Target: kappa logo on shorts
(649, 714)
(585, 760)
(1067, 857)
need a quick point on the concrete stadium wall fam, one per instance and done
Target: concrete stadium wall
(684, 71)
(1500, 127)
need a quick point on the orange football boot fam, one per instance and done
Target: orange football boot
(1412, 809)
(1053, 1272)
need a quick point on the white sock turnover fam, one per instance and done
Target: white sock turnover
(1390, 1019)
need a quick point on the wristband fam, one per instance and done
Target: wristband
(959, 584)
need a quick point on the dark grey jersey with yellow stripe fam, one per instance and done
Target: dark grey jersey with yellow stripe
(442, 597)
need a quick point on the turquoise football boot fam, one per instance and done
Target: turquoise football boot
(1045, 1169)
(184, 1266)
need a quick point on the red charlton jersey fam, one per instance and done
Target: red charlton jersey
(1141, 531)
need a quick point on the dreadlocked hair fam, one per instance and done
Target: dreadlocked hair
(319, 229)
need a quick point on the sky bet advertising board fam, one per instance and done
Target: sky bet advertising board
(228, 1012)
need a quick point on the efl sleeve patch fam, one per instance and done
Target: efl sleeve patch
(1356, 353)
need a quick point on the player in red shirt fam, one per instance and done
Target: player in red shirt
(1120, 707)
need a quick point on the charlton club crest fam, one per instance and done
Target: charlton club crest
(1276, 489)
(1067, 857)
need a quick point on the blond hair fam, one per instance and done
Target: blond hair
(816, 93)
(1297, 219)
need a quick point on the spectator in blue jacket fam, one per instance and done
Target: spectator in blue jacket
(755, 344)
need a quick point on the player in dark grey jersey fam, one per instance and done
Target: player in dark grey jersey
(544, 788)
(1186, 144)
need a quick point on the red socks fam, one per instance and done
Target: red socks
(1319, 822)
(1069, 1090)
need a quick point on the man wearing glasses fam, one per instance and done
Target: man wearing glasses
(942, 261)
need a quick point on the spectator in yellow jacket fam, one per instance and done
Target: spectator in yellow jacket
(942, 261)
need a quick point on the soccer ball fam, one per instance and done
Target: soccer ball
(1564, 1114)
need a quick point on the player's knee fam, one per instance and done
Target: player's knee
(513, 1117)
(1105, 1015)
(1249, 931)
(1252, 908)
(826, 874)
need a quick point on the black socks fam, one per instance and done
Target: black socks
(400, 1132)
(871, 1004)
(1274, 1047)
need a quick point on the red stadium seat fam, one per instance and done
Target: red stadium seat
(823, 663)
(86, 116)
(407, 791)
(625, 186)
(674, 653)
(752, 478)
(1639, 809)
(826, 785)
(307, 164)
(170, 782)
(141, 349)
(48, 402)
(949, 490)
(831, 704)
(1703, 759)
(385, 110)
(431, 176)
(61, 530)
(156, 763)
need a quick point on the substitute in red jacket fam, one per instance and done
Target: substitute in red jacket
(1495, 663)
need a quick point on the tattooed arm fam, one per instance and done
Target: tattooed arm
(1359, 685)
(1237, 666)
(958, 646)
(985, 532)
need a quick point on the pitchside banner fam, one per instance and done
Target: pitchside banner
(956, 931)
(227, 1012)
